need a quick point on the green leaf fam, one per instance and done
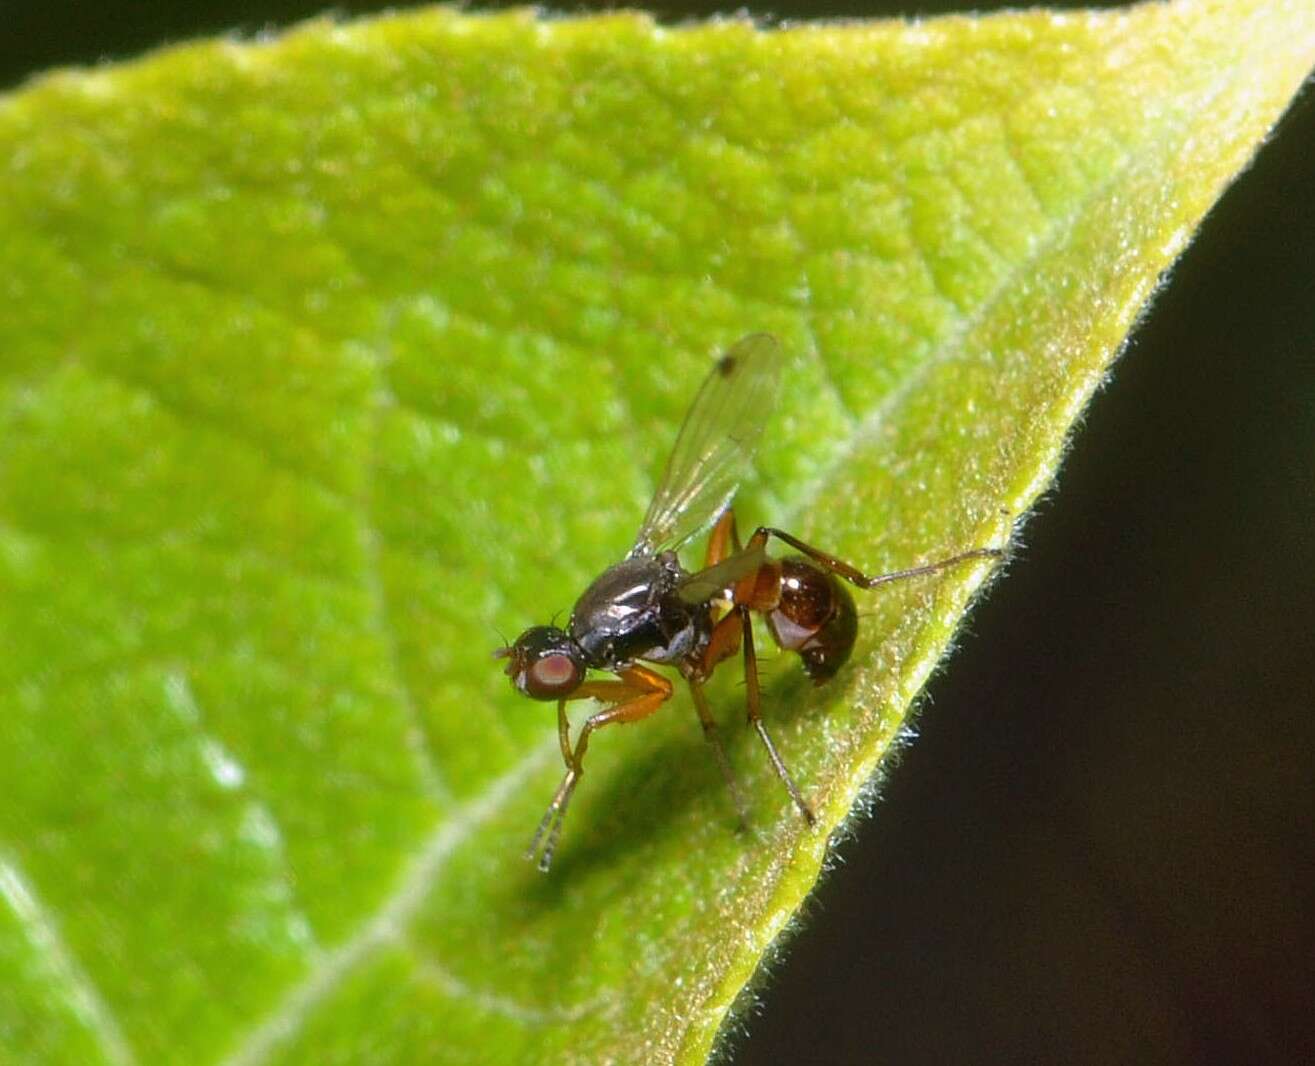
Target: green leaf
(321, 358)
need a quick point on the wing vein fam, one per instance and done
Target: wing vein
(715, 445)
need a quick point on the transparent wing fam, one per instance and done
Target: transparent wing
(716, 579)
(715, 445)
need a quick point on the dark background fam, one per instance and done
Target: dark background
(1102, 847)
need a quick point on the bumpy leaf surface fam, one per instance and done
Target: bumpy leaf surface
(323, 358)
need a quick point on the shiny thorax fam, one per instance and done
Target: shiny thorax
(633, 611)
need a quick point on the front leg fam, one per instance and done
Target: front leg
(637, 694)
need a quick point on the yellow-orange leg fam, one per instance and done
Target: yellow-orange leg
(723, 541)
(855, 576)
(722, 644)
(754, 704)
(564, 732)
(637, 694)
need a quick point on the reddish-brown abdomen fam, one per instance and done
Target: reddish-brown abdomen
(815, 617)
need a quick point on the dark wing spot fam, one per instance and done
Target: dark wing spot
(726, 365)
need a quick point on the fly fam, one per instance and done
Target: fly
(648, 609)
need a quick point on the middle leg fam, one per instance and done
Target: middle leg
(713, 736)
(754, 701)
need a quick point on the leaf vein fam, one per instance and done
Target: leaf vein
(434, 973)
(391, 917)
(44, 935)
(376, 587)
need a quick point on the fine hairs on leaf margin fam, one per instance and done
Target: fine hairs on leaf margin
(749, 1002)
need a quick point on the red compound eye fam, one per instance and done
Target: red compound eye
(553, 675)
